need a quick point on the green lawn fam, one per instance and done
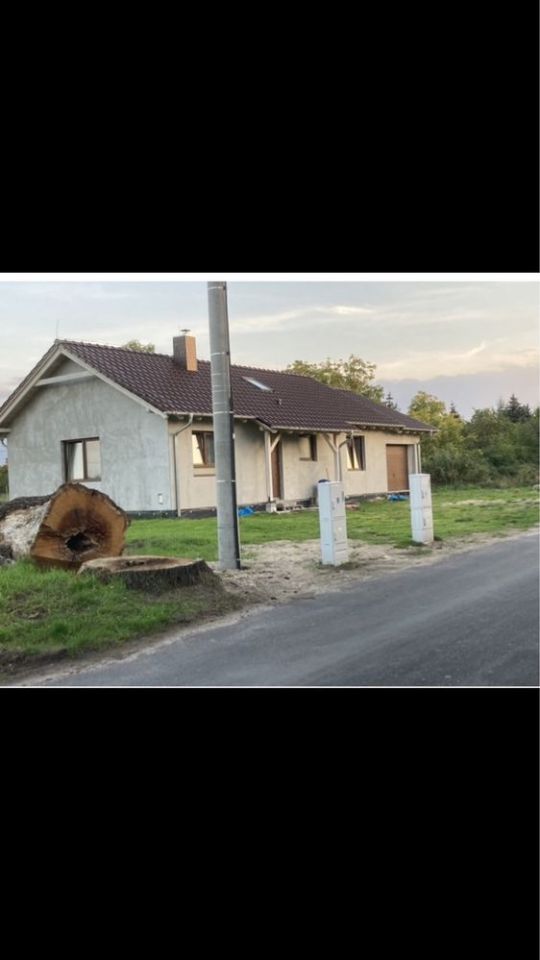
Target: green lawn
(46, 614)
(379, 521)
(55, 613)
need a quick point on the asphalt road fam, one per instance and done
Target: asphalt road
(470, 620)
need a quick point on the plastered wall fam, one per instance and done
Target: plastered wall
(196, 486)
(135, 467)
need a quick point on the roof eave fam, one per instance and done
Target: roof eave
(340, 428)
(207, 413)
(392, 426)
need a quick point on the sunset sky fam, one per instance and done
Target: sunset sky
(468, 342)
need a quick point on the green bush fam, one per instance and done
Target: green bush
(526, 475)
(494, 448)
(455, 464)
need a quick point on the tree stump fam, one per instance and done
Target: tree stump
(150, 573)
(71, 526)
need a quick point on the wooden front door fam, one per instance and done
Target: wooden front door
(276, 473)
(397, 464)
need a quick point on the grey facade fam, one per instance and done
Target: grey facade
(134, 443)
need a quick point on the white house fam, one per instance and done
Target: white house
(138, 426)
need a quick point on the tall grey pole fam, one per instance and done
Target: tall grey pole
(222, 411)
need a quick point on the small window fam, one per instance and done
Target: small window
(258, 384)
(203, 448)
(308, 447)
(356, 453)
(82, 459)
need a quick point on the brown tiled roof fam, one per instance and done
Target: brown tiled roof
(293, 402)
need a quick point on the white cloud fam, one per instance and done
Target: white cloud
(484, 358)
(259, 323)
(342, 311)
(288, 319)
(102, 294)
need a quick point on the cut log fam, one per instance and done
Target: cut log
(74, 524)
(150, 573)
(19, 524)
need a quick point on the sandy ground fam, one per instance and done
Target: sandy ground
(281, 571)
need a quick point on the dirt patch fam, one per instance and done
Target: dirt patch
(281, 571)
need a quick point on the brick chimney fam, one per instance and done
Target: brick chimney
(185, 351)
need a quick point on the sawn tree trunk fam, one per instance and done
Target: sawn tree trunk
(71, 526)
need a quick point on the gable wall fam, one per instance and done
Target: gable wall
(134, 446)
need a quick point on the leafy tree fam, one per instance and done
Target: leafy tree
(353, 374)
(507, 443)
(429, 409)
(139, 347)
(424, 406)
(3, 478)
(443, 454)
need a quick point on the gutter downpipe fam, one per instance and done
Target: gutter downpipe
(175, 464)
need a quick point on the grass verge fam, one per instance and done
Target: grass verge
(49, 615)
(53, 614)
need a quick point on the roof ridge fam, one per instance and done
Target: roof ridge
(169, 356)
(111, 346)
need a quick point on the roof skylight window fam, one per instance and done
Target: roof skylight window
(258, 384)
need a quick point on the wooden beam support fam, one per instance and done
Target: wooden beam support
(268, 465)
(269, 447)
(335, 450)
(65, 378)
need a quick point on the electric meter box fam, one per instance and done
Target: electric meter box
(421, 507)
(333, 522)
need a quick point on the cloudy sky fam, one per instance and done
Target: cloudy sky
(467, 342)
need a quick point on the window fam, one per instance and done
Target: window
(308, 447)
(356, 453)
(82, 459)
(203, 448)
